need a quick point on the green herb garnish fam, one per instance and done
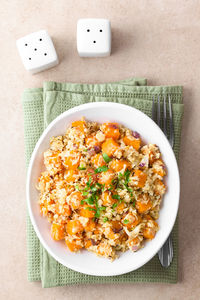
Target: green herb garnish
(134, 203)
(105, 219)
(106, 157)
(93, 188)
(86, 188)
(126, 221)
(129, 190)
(92, 191)
(115, 182)
(127, 175)
(102, 208)
(97, 214)
(85, 193)
(114, 205)
(116, 197)
(89, 181)
(101, 169)
(77, 188)
(90, 208)
(82, 168)
(99, 185)
(120, 175)
(90, 200)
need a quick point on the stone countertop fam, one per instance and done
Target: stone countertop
(159, 41)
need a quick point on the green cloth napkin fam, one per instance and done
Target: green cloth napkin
(41, 106)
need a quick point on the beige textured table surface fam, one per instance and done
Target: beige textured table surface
(159, 40)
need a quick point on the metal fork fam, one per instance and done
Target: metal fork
(165, 254)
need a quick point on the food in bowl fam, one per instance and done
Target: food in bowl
(102, 188)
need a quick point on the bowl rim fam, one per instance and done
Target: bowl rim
(28, 184)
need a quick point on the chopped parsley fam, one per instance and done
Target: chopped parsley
(91, 193)
(120, 175)
(86, 188)
(126, 221)
(101, 169)
(116, 197)
(82, 168)
(97, 214)
(111, 187)
(102, 208)
(126, 176)
(90, 200)
(100, 185)
(85, 193)
(89, 181)
(90, 208)
(77, 188)
(93, 188)
(106, 157)
(105, 219)
(114, 205)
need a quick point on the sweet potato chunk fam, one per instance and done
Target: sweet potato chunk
(64, 210)
(73, 245)
(70, 175)
(57, 231)
(107, 199)
(160, 187)
(106, 177)
(150, 229)
(159, 168)
(143, 204)
(88, 243)
(87, 211)
(91, 141)
(149, 233)
(90, 226)
(111, 130)
(80, 125)
(72, 160)
(98, 160)
(131, 220)
(139, 178)
(110, 146)
(120, 207)
(74, 227)
(131, 141)
(75, 199)
(118, 165)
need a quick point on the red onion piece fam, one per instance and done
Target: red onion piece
(141, 165)
(75, 146)
(91, 152)
(135, 248)
(97, 149)
(94, 243)
(135, 134)
(117, 230)
(113, 126)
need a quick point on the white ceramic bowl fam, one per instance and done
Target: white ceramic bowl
(86, 262)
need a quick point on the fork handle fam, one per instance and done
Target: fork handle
(165, 254)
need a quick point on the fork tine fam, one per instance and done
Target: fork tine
(158, 111)
(153, 109)
(164, 117)
(165, 254)
(171, 126)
